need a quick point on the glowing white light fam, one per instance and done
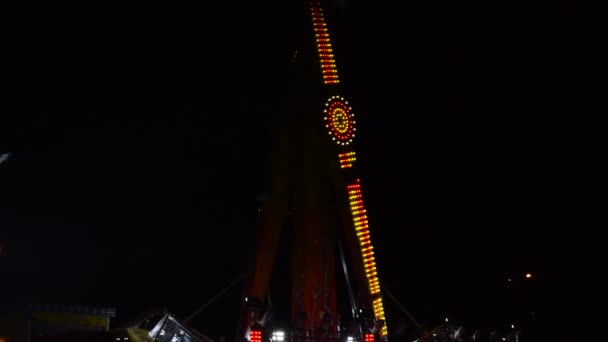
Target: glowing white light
(350, 339)
(278, 336)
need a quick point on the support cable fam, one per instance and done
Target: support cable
(217, 296)
(351, 295)
(407, 313)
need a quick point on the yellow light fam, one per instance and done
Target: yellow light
(362, 231)
(328, 71)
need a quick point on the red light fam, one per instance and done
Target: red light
(255, 336)
(339, 118)
(328, 65)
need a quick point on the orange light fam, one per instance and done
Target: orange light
(326, 57)
(346, 160)
(528, 275)
(339, 120)
(359, 215)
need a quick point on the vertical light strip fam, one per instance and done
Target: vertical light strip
(358, 211)
(326, 55)
(347, 159)
(362, 230)
(379, 312)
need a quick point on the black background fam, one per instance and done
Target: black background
(140, 136)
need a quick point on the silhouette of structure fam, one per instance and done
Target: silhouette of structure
(316, 199)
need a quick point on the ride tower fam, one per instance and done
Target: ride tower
(316, 184)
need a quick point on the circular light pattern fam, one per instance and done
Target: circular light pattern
(339, 120)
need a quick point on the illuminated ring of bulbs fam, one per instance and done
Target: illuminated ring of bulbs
(339, 120)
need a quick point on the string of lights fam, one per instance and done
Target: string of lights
(339, 121)
(329, 71)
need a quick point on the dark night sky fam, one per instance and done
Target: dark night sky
(140, 137)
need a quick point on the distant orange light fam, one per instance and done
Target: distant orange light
(528, 275)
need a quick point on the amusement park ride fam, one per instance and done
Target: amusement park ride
(316, 199)
(315, 181)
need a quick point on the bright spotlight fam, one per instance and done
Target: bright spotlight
(278, 336)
